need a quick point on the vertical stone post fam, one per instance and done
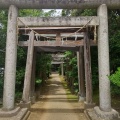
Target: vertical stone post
(88, 74)
(62, 69)
(103, 57)
(10, 61)
(33, 78)
(81, 78)
(28, 72)
(104, 110)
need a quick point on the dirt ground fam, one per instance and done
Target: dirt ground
(53, 103)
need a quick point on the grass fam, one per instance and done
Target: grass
(68, 92)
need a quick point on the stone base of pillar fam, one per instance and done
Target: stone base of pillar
(10, 113)
(112, 115)
(81, 99)
(25, 105)
(97, 114)
(89, 105)
(16, 114)
(32, 99)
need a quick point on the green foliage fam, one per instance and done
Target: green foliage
(1, 86)
(89, 12)
(36, 13)
(20, 79)
(20, 71)
(115, 90)
(31, 12)
(18, 96)
(114, 35)
(115, 78)
(43, 68)
(114, 42)
(66, 12)
(72, 60)
(71, 71)
(94, 67)
(38, 81)
(79, 12)
(3, 29)
(50, 13)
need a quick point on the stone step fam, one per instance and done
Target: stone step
(23, 114)
(26, 116)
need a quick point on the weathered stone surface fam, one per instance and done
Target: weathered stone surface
(57, 43)
(88, 105)
(10, 60)
(91, 115)
(28, 70)
(22, 114)
(25, 104)
(9, 113)
(112, 115)
(33, 99)
(103, 60)
(32, 93)
(57, 21)
(104, 111)
(59, 4)
(81, 99)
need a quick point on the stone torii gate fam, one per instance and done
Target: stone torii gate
(104, 110)
(69, 24)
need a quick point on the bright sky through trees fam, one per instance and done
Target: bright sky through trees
(58, 11)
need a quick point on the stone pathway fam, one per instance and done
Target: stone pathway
(54, 105)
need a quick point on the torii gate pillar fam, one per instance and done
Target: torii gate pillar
(10, 62)
(81, 76)
(104, 110)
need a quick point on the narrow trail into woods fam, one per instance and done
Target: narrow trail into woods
(54, 105)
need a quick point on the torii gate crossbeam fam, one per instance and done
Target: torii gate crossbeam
(59, 4)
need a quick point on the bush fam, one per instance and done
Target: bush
(115, 82)
(115, 78)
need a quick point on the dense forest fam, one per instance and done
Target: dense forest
(43, 65)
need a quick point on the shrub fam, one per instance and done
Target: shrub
(115, 78)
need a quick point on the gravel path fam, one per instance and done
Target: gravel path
(54, 105)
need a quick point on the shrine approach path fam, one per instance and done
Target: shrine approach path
(55, 104)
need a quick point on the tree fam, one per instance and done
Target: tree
(3, 30)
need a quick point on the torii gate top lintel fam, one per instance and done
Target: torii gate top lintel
(59, 4)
